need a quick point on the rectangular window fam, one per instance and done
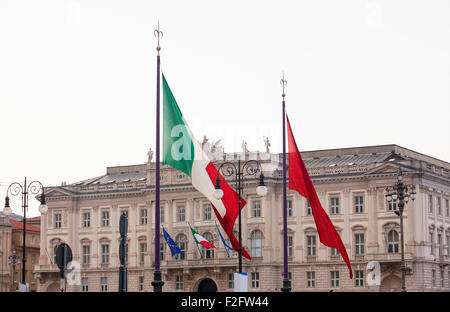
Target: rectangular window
(448, 246)
(392, 205)
(438, 206)
(32, 239)
(359, 278)
(311, 245)
(334, 205)
(359, 244)
(334, 252)
(359, 204)
(105, 253)
(255, 279)
(310, 279)
(207, 212)
(103, 284)
(141, 283)
(181, 217)
(161, 214)
(290, 243)
(143, 216)
(290, 212)
(58, 220)
(230, 280)
(143, 249)
(448, 279)
(308, 208)
(86, 254)
(105, 218)
(86, 219)
(256, 209)
(447, 208)
(334, 276)
(430, 203)
(84, 284)
(433, 277)
(439, 242)
(179, 282)
(442, 278)
(431, 243)
(162, 249)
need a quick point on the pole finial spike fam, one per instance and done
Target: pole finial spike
(159, 34)
(283, 82)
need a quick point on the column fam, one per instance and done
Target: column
(372, 211)
(133, 216)
(267, 213)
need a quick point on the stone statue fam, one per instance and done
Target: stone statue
(267, 144)
(150, 155)
(216, 151)
(244, 147)
(215, 146)
(205, 144)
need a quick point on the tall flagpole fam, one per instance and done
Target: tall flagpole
(286, 283)
(157, 280)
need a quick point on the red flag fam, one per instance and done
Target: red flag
(300, 181)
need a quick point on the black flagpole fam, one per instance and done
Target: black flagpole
(157, 280)
(286, 283)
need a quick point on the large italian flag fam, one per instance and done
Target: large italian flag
(183, 152)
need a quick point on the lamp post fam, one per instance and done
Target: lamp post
(15, 189)
(247, 169)
(401, 193)
(14, 259)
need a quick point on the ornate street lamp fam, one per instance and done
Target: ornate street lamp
(401, 193)
(34, 188)
(247, 169)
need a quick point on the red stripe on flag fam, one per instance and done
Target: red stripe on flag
(230, 201)
(207, 244)
(300, 181)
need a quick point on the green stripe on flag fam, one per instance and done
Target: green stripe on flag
(178, 147)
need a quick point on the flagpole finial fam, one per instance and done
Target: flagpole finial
(283, 82)
(159, 34)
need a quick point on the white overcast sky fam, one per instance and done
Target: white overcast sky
(78, 93)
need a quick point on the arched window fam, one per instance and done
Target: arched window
(182, 242)
(208, 253)
(256, 243)
(392, 241)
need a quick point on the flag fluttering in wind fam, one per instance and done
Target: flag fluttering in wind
(300, 181)
(183, 152)
(174, 249)
(200, 239)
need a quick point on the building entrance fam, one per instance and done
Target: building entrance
(207, 285)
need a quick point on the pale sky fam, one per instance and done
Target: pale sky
(78, 78)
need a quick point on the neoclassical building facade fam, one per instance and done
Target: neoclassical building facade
(350, 183)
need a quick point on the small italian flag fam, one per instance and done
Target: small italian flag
(201, 240)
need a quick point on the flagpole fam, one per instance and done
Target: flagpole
(157, 280)
(201, 257)
(286, 283)
(222, 240)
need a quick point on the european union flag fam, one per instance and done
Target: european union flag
(174, 249)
